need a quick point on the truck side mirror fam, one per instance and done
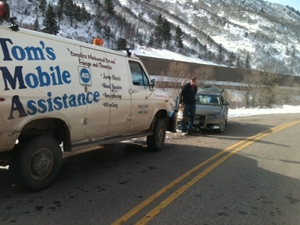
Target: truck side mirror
(152, 84)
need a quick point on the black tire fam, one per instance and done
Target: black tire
(36, 165)
(156, 141)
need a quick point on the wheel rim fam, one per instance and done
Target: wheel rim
(41, 163)
(160, 135)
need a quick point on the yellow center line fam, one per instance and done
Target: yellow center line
(172, 197)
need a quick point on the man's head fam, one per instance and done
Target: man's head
(193, 81)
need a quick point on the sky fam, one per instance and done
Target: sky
(293, 3)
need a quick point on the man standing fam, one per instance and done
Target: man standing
(188, 102)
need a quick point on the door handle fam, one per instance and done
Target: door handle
(131, 91)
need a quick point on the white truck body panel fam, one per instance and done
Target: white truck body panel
(88, 87)
(60, 97)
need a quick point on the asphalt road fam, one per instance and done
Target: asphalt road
(250, 174)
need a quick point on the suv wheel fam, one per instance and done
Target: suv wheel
(222, 126)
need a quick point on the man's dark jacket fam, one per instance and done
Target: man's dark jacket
(188, 94)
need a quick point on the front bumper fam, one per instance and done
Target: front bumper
(205, 122)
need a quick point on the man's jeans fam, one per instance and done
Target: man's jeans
(188, 117)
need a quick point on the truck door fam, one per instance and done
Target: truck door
(119, 97)
(142, 98)
(95, 81)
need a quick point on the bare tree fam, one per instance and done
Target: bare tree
(177, 74)
(204, 76)
(289, 91)
(261, 89)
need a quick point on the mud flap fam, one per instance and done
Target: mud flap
(172, 121)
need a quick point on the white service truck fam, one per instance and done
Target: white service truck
(61, 97)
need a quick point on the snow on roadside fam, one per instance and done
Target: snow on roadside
(241, 112)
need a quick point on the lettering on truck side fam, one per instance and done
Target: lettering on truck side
(40, 77)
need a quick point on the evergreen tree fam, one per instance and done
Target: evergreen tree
(59, 9)
(78, 15)
(70, 10)
(293, 51)
(238, 63)
(151, 41)
(50, 22)
(43, 5)
(107, 32)
(158, 31)
(98, 17)
(109, 7)
(231, 58)
(166, 30)
(287, 51)
(179, 37)
(220, 52)
(36, 24)
(98, 10)
(26, 12)
(85, 16)
(247, 62)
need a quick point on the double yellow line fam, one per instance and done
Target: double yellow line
(232, 151)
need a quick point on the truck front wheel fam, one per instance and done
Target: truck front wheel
(156, 141)
(36, 165)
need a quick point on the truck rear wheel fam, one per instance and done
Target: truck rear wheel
(36, 165)
(156, 141)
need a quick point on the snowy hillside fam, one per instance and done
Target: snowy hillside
(254, 33)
